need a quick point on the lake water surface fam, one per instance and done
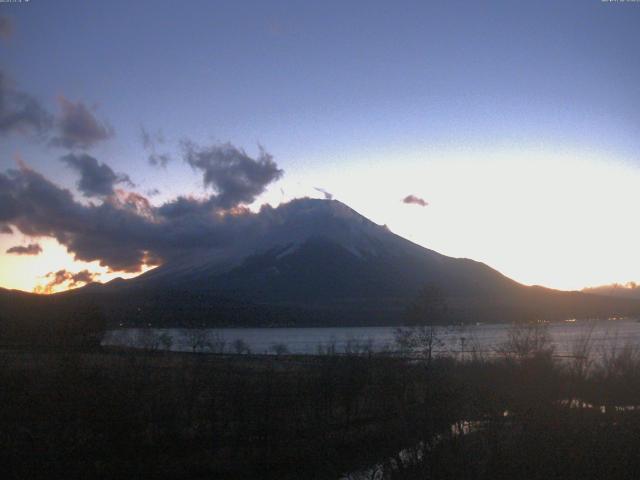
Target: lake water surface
(604, 334)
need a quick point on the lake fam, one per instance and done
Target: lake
(604, 334)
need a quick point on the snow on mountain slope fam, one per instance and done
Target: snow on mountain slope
(287, 228)
(318, 262)
(309, 249)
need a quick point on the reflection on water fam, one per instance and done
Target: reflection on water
(604, 334)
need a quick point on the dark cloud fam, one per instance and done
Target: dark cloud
(124, 232)
(183, 207)
(9, 207)
(159, 159)
(6, 229)
(20, 112)
(151, 143)
(78, 127)
(231, 173)
(31, 249)
(413, 200)
(327, 195)
(6, 27)
(65, 277)
(93, 232)
(84, 276)
(96, 179)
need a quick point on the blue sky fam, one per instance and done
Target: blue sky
(372, 90)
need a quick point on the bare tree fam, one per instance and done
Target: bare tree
(329, 348)
(197, 339)
(240, 346)
(581, 354)
(279, 349)
(420, 340)
(424, 315)
(166, 340)
(217, 343)
(356, 346)
(148, 339)
(527, 341)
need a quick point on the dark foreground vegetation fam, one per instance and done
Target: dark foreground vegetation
(520, 413)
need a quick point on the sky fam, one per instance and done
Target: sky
(130, 130)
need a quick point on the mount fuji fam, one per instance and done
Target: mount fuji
(318, 262)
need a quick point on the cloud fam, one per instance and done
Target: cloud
(63, 276)
(78, 127)
(150, 142)
(125, 231)
(20, 112)
(413, 200)
(31, 249)
(94, 232)
(6, 27)
(122, 230)
(327, 195)
(6, 229)
(235, 176)
(96, 179)
(159, 159)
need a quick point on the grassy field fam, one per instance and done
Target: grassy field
(140, 414)
(136, 414)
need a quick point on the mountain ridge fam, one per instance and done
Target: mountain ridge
(319, 262)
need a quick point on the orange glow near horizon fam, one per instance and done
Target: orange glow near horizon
(29, 272)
